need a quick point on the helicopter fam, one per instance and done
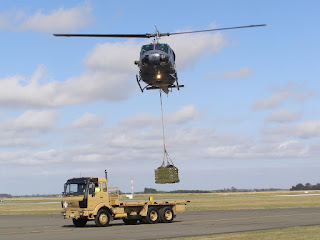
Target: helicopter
(157, 68)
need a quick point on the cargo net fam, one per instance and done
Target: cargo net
(167, 172)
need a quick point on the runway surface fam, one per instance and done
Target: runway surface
(186, 224)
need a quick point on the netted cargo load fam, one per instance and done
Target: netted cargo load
(166, 174)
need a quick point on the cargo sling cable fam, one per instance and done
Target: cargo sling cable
(166, 173)
(165, 153)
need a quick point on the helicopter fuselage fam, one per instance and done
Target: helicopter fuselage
(157, 67)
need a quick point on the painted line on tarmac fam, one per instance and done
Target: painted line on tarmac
(184, 222)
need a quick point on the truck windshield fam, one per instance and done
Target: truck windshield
(75, 187)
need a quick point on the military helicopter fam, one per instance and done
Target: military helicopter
(157, 60)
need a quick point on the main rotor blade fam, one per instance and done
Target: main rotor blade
(215, 29)
(147, 35)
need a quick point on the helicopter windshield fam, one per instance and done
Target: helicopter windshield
(146, 48)
(162, 47)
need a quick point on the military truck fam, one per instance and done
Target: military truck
(90, 199)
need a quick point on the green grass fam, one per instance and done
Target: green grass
(52, 208)
(247, 200)
(254, 203)
(202, 201)
(298, 233)
(211, 195)
(32, 199)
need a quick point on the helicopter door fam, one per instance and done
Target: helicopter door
(172, 58)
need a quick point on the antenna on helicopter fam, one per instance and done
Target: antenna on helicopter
(157, 35)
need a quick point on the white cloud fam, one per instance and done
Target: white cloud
(114, 57)
(284, 115)
(258, 150)
(243, 72)
(19, 92)
(26, 129)
(291, 91)
(183, 144)
(304, 130)
(141, 120)
(189, 48)
(87, 121)
(31, 120)
(271, 102)
(183, 115)
(145, 120)
(138, 138)
(57, 20)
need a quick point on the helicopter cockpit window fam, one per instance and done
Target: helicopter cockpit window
(162, 47)
(146, 48)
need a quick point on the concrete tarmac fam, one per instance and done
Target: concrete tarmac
(191, 223)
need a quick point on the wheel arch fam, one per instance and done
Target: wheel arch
(104, 207)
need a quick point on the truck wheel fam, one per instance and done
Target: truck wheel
(166, 215)
(130, 221)
(103, 218)
(80, 222)
(153, 215)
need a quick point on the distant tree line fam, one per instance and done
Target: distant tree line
(308, 186)
(152, 190)
(4, 195)
(232, 189)
(190, 191)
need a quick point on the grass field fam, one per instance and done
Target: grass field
(203, 201)
(31, 199)
(297, 233)
(229, 194)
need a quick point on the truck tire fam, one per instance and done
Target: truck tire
(166, 215)
(80, 222)
(130, 221)
(103, 218)
(153, 215)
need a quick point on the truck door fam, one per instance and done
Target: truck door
(97, 194)
(93, 196)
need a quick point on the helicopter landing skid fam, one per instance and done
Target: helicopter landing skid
(175, 77)
(171, 86)
(148, 87)
(138, 81)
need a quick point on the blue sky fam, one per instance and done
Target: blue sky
(248, 116)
